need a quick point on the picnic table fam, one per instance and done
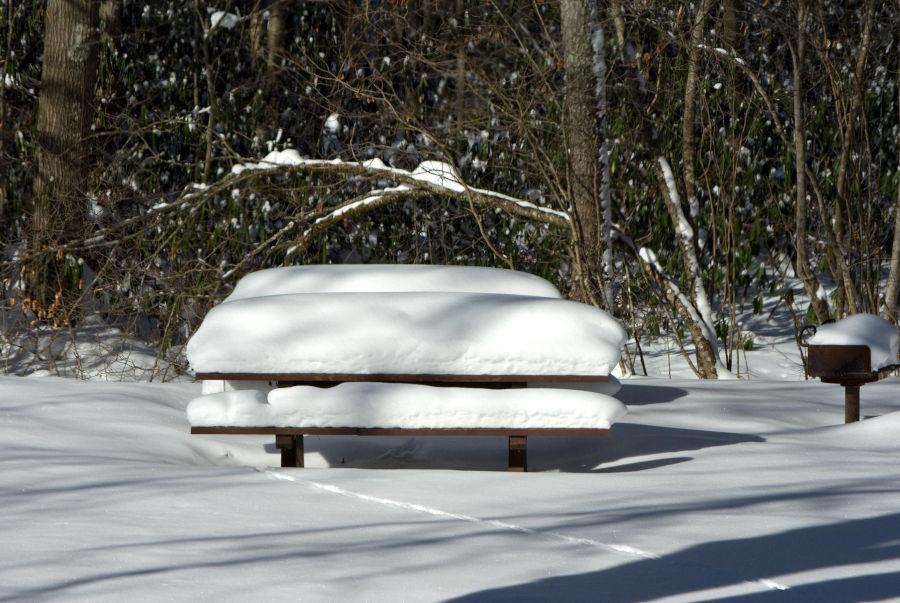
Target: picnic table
(402, 350)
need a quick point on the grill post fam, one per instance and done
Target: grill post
(851, 403)
(846, 365)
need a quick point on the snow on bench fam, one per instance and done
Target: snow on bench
(369, 326)
(404, 409)
(406, 406)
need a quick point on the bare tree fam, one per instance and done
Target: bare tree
(801, 212)
(598, 43)
(65, 113)
(848, 293)
(692, 308)
(275, 44)
(582, 142)
(699, 319)
(892, 290)
(688, 139)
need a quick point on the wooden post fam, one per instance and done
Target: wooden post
(851, 403)
(291, 447)
(518, 460)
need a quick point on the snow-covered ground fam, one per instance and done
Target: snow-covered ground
(707, 490)
(744, 490)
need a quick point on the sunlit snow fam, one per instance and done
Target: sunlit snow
(383, 278)
(407, 406)
(740, 490)
(862, 329)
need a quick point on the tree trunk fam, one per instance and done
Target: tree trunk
(65, 113)
(700, 322)
(615, 9)
(695, 311)
(892, 290)
(690, 104)
(893, 282)
(802, 266)
(686, 230)
(581, 143)
(110, 15)
(731, 24)
(460, 75)
(842, 202)
(275, 45)
(598, 42)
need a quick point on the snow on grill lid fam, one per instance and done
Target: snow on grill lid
(862, 329)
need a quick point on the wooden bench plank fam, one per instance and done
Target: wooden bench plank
(289, 440)
(397, 431)
(430, 379)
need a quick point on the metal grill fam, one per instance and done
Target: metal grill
(847, 365)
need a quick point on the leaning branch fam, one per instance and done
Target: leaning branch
(430, 177)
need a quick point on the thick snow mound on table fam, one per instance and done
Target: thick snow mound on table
(862, 329)
(407, 406)
(372, 278)
(406, 333)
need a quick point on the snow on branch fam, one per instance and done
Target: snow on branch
(681, 302)
(371, 200)
(429, 177)
(649, 259)
(725, 53)
(685, 234)
(682, 227)
(435, 176)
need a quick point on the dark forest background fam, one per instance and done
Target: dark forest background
(672, 162)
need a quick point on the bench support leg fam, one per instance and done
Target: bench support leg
(291, 447)
(518, 460)
(851, 403)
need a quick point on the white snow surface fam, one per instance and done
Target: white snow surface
(383, 278)
(439, 173)
(333, 123)
(862, 329)
(739, 490)
(407, 406)
(745, 490)
(405, 333)
(218, 18)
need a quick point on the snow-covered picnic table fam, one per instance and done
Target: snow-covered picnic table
(381, 338)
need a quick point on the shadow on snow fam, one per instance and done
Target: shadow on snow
(732, 562)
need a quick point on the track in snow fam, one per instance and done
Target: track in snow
(766, 583)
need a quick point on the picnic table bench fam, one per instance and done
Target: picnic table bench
(289, 440)
(375, 325)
